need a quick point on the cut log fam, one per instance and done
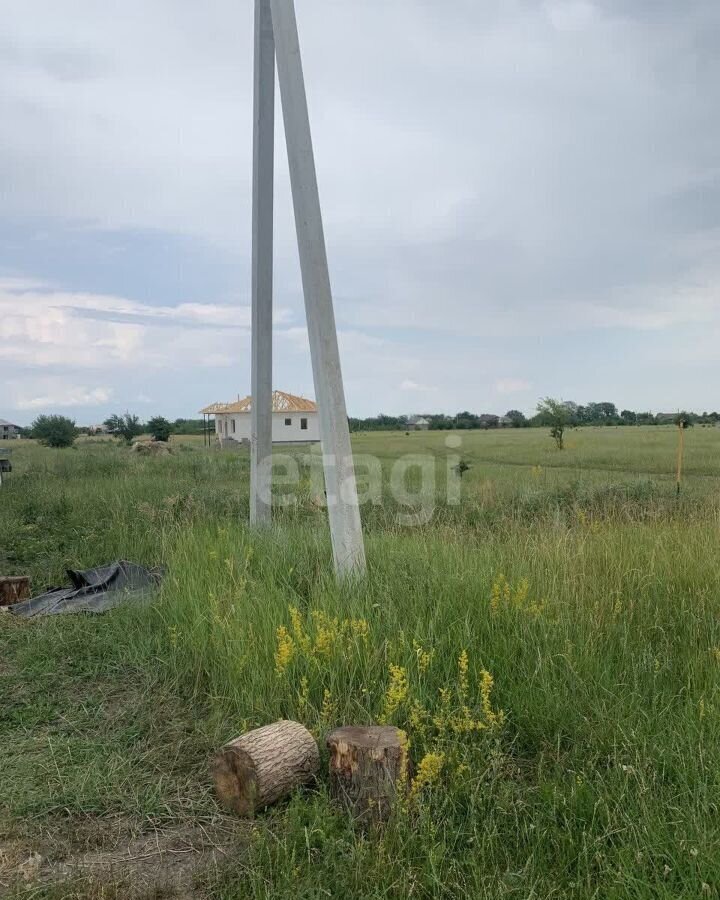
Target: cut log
(368, 766)
(264, 765)
(13, 589)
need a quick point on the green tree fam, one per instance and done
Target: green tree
(159, 428)
(558, 416)
(517, 418)
(645, 418)
(54, 431)
(601, 413)
(125, 427)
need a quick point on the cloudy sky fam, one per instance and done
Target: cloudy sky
(521, 198)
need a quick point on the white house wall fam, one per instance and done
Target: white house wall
(236, 426)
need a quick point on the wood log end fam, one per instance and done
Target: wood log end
(235, 780)
(263, 765)
(13, 589)
(368, 766)
(367, 737)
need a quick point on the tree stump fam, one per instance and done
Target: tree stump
(368, 766)
(264, 765)
(13, 589)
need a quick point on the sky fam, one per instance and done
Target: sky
(521, 198)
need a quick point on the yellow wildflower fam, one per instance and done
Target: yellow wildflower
(424, 657)
(418, 717)
(497, 593)
(328, 710)
(428, 772)
(326, 634)
(404, 742)
(284, 651)
(324, 640)
(492, 718)
(301, 638)
(521, 593)
(441, 719)
(463, 674)
(304, 696)
(360, 628)
(503, 593)
(397, 692)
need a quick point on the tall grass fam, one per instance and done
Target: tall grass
(553, 645)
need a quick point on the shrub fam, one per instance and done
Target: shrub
(160, 429)
(54, 431)
(125, 427)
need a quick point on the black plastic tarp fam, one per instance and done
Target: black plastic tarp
(94, 590)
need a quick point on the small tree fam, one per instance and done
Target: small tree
(517, 418)
(54, 431)
(558, 416)
(159, 428)
(125, 427)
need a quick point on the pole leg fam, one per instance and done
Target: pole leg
(262, 267)
(343, 509)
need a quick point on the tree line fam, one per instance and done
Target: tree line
(575, 415)
(60, 431)
(558, 415)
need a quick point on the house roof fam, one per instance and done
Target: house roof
(5, 422)
(281, 402)
(417, 420)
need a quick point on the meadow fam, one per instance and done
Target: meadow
(550, 644)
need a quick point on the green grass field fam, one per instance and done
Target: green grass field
(551, 645)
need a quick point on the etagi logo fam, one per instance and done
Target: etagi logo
(411, 481)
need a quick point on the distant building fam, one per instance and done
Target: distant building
(488, 420)
(8, 431)
(417, 423)
(98, 429)
(505, 422)
(294, 419)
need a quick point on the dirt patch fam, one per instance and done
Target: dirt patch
(159, 864)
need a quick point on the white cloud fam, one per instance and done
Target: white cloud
(409, 385)
(44, 327)
(65, 398)
(512, 385)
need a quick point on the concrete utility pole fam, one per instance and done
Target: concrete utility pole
(343, 508)
(262, 266)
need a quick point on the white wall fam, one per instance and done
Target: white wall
(281, 433)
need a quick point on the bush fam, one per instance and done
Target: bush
(159, 428)
(54, 431)
(125, 427)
